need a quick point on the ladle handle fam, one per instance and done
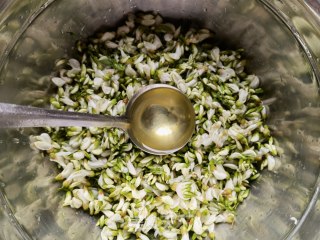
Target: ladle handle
(15, 116)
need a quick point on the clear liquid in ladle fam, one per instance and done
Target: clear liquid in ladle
(161, 118)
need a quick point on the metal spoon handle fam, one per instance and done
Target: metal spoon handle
(13, 116)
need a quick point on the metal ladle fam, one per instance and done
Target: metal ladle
(159, 119)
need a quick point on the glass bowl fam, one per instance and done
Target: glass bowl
(281, 41)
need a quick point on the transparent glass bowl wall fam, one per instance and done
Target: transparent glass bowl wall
(282, 49)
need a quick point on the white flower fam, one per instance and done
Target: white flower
(178, 53)
(199, 156)
(226, 73)
(143, 69)
(186, 190)
(168, 37)
(148, 22)
(185, 236)
(154, 45)
(59, 82)
(169, 234)
(107, 36)
(235, 131)
(111, 45)
(216, 134)
(219, 172)
(97, 164)
(225, 217)
(83, 195)
(129, 71)
(215, 54)
(254, 81)
(167, 200)
(107, 233)
(78, 155)
(255, 137)
(193, 204)
(86, 142)
(161, 186)
(243, 95)
(164, 77)
(131, 168)
(197, 226)
(262, 151)
(103, 105)
(166, 169)
(67, 101)
(247, 174)
(139, 194)
(224, 152)
(182, 188)
(76, 203)
(234, 88)
(271, 162)
(139, 59)
(45, 146)
(149, 223)
(123, 30)
(143, 237)
(97, 82)
(120, 237)
(74, 63)
(229, 185)
(272, 148)
(119, 108)
(67, 171)
(231, 166)
(153, 65)
(42, 142)
(59, 160)
(252, 126)
(210, 219)
(225, 116)
(107, 89)
(130, 91)
(249, 153)
(197, 36)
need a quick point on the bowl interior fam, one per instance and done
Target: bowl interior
(50, 31)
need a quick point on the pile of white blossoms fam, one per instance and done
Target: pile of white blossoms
(138, 195)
